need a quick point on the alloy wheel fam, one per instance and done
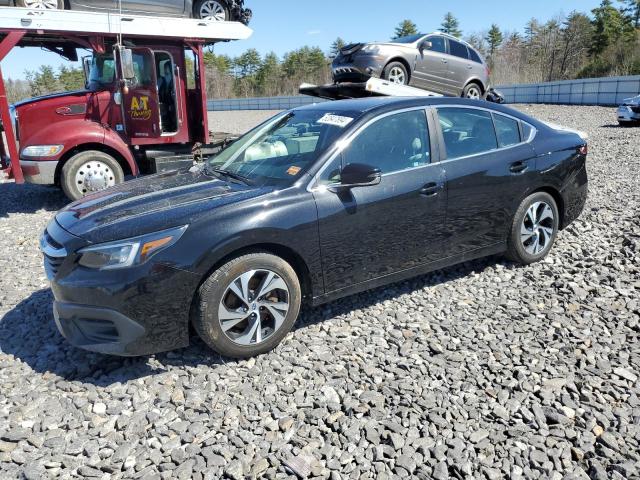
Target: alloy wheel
(473, 92)
(41, 4)
(94, 176)
(212, 10)
(536, 232)
(397, 76)
(253, 307)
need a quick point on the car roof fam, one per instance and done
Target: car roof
(373, 106)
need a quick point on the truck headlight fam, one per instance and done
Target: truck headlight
(42, 150)
(126, 253)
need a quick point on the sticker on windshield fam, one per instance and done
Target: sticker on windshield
(335, 120)
(293, 170)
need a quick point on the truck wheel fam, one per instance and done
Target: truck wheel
(89, 172)
(247, 306)
(473, 91)
(534, 229)
(41, 4)
(396, 73)
(211, 10)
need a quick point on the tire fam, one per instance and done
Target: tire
(473, 91)
(397, 73)
(240, 337)
(217, 10)
(41, 4)
(525, 231)
(76, 181)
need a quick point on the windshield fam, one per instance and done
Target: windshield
(101, 72)
(280, 150)
(409, 38)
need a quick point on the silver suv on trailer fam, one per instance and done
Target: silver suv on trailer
(436, 61)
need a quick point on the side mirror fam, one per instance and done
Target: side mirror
(426, 45)
(86, 67)
(126, 62)
(359, 175)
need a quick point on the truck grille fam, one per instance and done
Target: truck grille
(54, 254)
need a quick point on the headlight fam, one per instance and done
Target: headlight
(373, 49)
(125, 253)
(42, 150)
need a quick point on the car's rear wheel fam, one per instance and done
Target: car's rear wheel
(216, 10)
(247, 306)
(41, 4)
(89, 172)
(396, 73)
(534, 229)
(472, 91)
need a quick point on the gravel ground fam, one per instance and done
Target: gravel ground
(485, 370)
(238, 121)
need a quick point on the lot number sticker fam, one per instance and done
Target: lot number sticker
(335, 120)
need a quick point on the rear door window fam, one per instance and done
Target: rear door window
(507, 130)
(457, 49)
(467, 131)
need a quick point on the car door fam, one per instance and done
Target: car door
(162, 7)
(460, 65)
(487, 175)
(373, 231)
(431, 68)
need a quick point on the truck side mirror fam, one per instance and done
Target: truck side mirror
(86, 66)
(126, 62)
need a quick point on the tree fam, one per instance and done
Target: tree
(268, 76)
(609, 25)
(71, 78)
(632, 10)
(406, 27)
(576, 36)
(336, 46)
(42, 81)
(451, 25)
(248, 63)
(494, 39)
(222, 63)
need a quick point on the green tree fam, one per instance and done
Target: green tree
(42, 81)
(406, 27)
(451, 25)
(268, 75)
(631, 8)
(304, 62)
(609, 25)
(337, 45)
(494, 39)
(248, 63)
(71, 78)
(222, 63)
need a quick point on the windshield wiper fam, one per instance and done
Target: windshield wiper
(227, 173)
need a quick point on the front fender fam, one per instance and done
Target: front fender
(72, 134)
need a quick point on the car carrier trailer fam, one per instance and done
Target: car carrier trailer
(144, 108)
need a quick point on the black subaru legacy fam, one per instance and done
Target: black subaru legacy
(316, 203)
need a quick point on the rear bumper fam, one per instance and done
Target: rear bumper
(39, 172)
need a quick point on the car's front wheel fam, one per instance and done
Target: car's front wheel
(41, 4)
(396, 73)
(216, 10)
(248, 305)
(534, 229)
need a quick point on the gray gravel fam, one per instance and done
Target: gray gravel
(485, 370)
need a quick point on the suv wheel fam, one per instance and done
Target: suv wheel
(534, 229)
(396, 73)
(89, 172)
(247, 306)
(41, 4)
(215, 10)
(472, 91)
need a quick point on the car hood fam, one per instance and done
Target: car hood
(151, 204)
(632, 102)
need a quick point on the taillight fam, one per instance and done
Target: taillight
(583, 150)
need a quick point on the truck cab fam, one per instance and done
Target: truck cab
(143, 109)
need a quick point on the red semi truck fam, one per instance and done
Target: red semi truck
(144, 108)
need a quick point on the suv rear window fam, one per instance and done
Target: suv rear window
(474, 56)
(458, 49)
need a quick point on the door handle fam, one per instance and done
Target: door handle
(430, 189)
(444, 60)
(518, 167)
(469, 67)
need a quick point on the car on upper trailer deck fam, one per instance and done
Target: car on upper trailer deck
(216, 10)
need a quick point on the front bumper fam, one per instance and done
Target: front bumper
(134, 311)
(357, 68)
(626, 114)
(39, 172)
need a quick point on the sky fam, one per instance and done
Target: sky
(284, 25)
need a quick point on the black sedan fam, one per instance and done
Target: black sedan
(315, 204)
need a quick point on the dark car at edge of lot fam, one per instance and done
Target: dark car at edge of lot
(315, 204)
(437, 62)
(215, 10)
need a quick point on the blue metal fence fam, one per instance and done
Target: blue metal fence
(588, 91)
